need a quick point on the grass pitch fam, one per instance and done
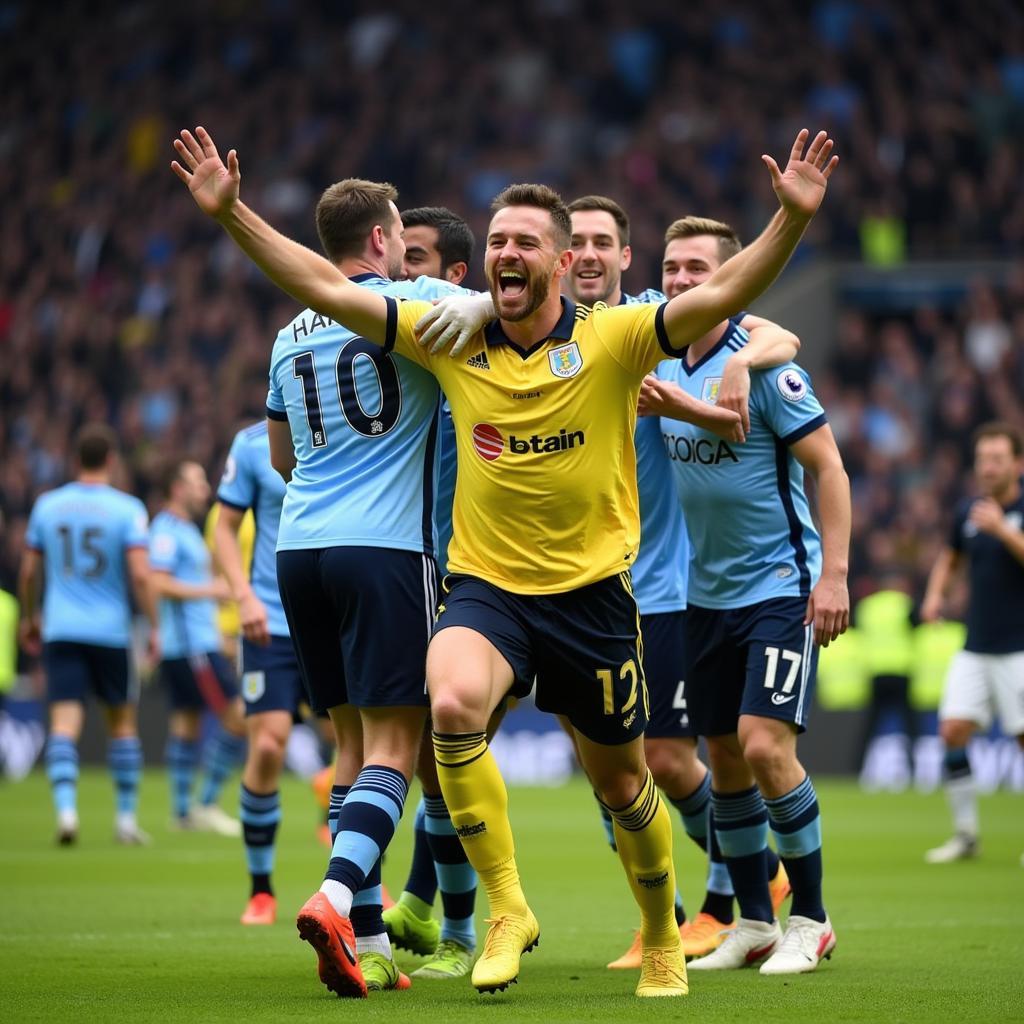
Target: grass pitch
(102, 933)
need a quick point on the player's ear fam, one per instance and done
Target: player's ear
(377, 238)
(456, 272)
(626, 258)
(564, 263)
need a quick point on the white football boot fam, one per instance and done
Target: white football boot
(961, 846)
(804, 945)
(748, 943)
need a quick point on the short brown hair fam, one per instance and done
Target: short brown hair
(1000, 428)
(606, 205)
(544, 198)
(348, 211)
(94, 445)
(690, 227)
(170, 472)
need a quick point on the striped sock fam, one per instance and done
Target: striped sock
(693, 809)
(182, 760)
(223, 754)
(741, 826)
(719, 897)
(365, 826)
(422, 880)
(338, 794)
(643, 834)
(455, 875)
(260, 814)
(62, 770)
(124, 757)
(478, 803)
(367, 923)
(796, 825)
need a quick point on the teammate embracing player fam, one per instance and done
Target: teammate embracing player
(765, 591)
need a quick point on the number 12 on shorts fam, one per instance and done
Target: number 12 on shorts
(626, 671)
(773, 655)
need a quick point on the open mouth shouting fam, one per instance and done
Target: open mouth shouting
(511, 282)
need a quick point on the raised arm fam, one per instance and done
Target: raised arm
(740, 280)
(302, 273)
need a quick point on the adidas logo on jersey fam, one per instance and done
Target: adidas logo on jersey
(479, 361)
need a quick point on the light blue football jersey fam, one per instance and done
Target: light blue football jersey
(751, 533)
(660, 570)
(176, 546)
(364, 424)
(250, 481)
(83, 531)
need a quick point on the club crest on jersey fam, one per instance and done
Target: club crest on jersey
(565, 361)
(254, 685)
(710, 389)
(791, 385)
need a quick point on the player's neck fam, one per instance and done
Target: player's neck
(178, 510)
(355, 265)
(702, 346)
(538, 325)
(93, 477)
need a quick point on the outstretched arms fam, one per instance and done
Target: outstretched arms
(800, 189)
(306, 276)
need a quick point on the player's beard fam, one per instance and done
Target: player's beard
(537, 288)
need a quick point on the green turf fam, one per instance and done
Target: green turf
(100, 933)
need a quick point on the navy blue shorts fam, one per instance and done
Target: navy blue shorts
(73, 670)
(583, 646)
(199, 681)
(360, 619)
(271, 680)
(758, 660)
(664, 636)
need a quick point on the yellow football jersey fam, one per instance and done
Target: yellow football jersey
(227, 612)
(546, 497)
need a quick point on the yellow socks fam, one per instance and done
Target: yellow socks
(478, 804)
(643, 835)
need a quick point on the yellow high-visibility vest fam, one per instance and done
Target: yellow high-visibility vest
(883, 620)
(843, 680)
(935, 643)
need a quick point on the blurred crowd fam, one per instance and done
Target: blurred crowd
(118, 302)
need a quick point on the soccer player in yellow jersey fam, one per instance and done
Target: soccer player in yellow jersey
(545, 521)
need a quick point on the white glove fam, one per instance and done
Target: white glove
(455, 318)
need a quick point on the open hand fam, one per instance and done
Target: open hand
(214, 187)
(801, 186)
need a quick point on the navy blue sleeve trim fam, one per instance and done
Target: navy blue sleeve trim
(659, 330)
(232, 504)
(802, 431)
(276, 414)
(391, 326)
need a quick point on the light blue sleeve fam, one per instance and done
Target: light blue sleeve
(434, 288)
(238, 485)
(136, 534)
(787, 402)
(163, 549)
(649, 296)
